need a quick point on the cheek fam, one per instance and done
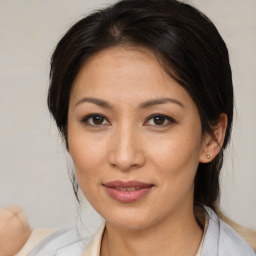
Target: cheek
(87, 152)
(176, 161)
(176, 151)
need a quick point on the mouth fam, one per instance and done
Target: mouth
(127, 192)
(127, 189)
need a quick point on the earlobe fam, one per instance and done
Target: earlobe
(212, 145)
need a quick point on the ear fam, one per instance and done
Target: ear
(212, 146)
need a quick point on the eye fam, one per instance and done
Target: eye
(95, 120)
(159, 120)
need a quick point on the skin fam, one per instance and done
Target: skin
(14, 230)
(128, 144)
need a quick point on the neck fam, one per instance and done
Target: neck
(172, 236)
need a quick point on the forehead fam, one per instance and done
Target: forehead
(125, 61)
(125, 72)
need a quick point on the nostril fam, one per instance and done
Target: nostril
(127, 161)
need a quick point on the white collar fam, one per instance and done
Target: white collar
(93, 249)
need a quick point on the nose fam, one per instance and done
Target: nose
(126, 149)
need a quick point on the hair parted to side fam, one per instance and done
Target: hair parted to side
(188, 47)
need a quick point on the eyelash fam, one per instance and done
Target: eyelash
(86, 119)
(168, 118)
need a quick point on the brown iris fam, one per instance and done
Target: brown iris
(98, 120)
(159, 120)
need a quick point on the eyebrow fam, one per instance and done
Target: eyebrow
(99, 102)
(146, 104)
(160, 101)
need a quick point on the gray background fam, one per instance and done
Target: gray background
(33, 171)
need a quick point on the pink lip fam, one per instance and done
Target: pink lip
(125, 196)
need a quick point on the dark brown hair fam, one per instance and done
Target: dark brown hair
(187, 44)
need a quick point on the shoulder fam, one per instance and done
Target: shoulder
(65, 241)
(233, 243)
(223, 240)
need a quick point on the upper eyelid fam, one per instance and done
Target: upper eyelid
(162, 115)
(92, 115)
(87, 117)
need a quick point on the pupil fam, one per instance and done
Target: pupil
(97, 120)
(159, 120)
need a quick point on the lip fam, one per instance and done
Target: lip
(127, 192)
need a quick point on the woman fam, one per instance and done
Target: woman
(142, 94)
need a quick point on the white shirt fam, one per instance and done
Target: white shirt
(219, 240)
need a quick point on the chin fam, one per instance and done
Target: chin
(129, 220)
(129, 224)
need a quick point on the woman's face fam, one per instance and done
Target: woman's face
(135, 137)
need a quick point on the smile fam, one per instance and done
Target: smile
(127, 192)
(128, 189)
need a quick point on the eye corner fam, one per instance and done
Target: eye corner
(95, 120)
